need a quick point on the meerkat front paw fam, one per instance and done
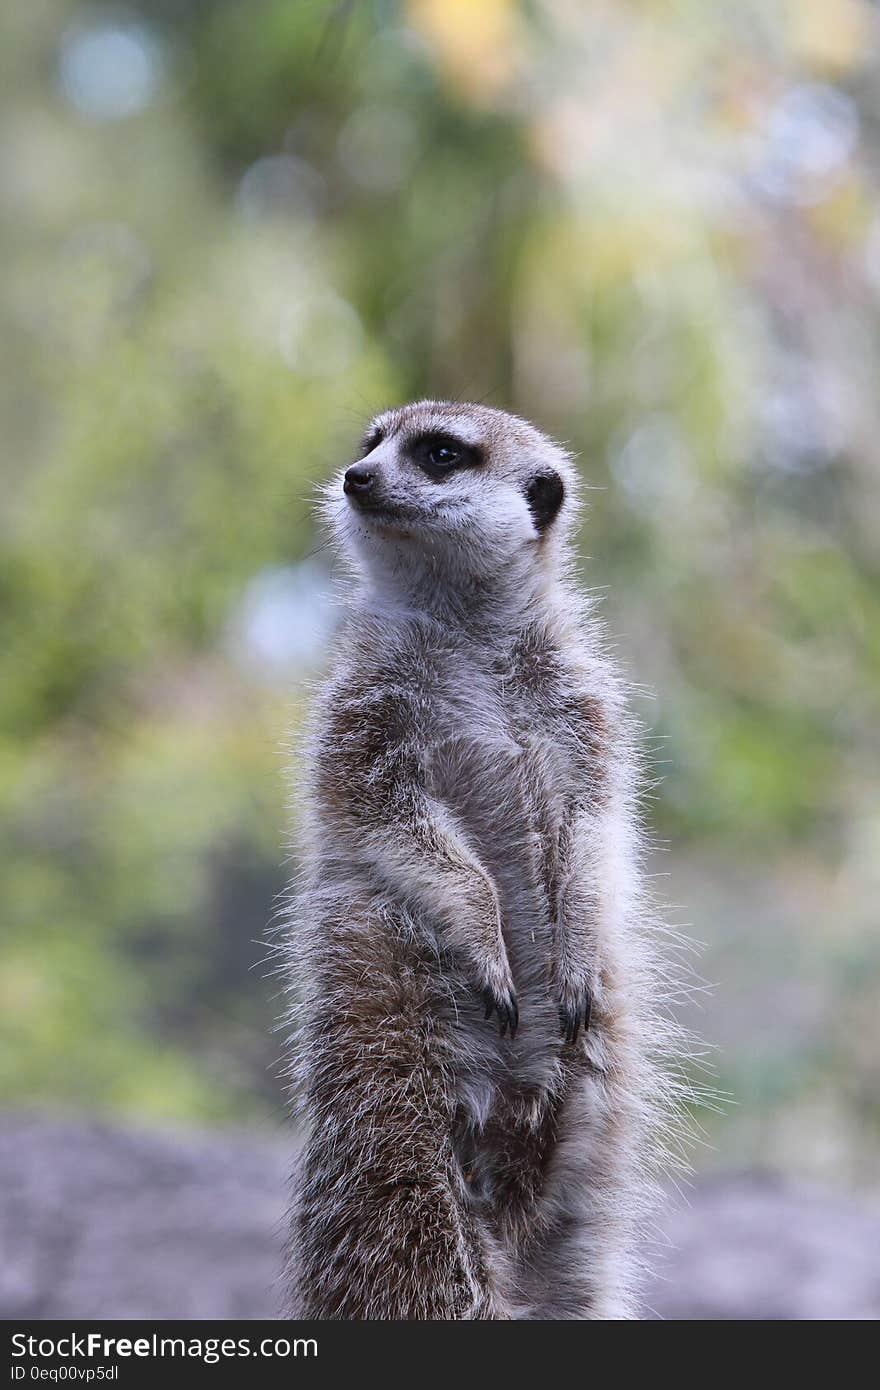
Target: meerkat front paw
(575, 1008)
(495, 984)
(506, 1007)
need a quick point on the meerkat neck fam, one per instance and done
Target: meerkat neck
(483, 605)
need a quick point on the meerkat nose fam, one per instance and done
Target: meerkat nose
(357, 480)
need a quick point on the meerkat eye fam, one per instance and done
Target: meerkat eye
(439, 454)
(443, 455)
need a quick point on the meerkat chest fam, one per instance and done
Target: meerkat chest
(503, 770)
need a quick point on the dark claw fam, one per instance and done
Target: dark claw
(571, 1015)
(507, 1009)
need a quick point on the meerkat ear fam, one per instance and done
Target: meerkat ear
(545, 494)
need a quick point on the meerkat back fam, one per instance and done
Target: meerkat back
(481, 1045)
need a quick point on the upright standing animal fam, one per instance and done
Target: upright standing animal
(480, 1010)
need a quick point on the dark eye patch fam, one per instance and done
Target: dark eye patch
(371, 440)
(440, 454)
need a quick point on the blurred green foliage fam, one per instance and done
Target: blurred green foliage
(230, 233)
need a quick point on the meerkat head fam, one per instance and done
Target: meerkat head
(461, 488)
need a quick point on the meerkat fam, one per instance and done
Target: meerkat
(480, 1014)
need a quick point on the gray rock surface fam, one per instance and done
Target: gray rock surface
(748, 1247)
(101, 1221)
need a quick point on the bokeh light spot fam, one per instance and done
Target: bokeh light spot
(109, 71)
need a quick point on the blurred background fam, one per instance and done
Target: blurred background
(232, 232)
